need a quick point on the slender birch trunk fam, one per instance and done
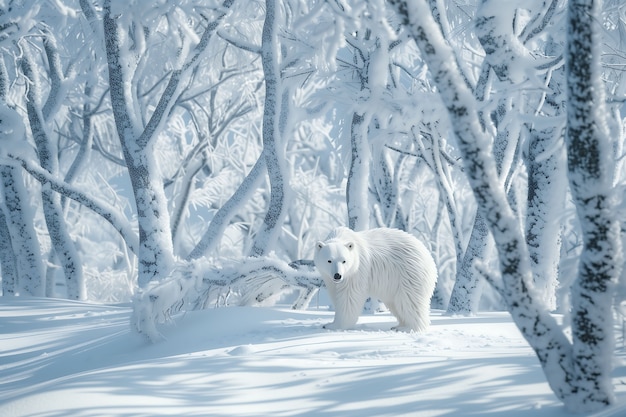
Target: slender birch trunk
(275, 115)
(546, 195)
(465, 294)
(8, 261)
(20, 223)
(359, 174)
(590, 173)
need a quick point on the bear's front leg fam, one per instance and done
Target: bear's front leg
(341, 323)
(333, 326)
(347, 313)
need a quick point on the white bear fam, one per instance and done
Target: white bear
(387, 264)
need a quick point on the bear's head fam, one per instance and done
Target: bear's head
(335, 259)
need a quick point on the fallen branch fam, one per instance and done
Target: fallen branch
(192, 284)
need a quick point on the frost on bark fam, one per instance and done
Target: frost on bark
(466, 292)
(504, 52)
(86, 143)
(577, 372)
(20, 221)
(370, 68)
(545, 163)
(275, 114)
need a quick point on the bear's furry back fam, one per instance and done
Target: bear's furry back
(400, 269)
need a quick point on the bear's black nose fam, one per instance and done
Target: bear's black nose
(337, 276)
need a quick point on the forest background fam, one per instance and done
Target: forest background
(187, 148)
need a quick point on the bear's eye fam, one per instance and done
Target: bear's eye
(330, 262)
(343, 262)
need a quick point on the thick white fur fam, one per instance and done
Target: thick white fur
(387, 264)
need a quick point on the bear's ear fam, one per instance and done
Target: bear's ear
(320, 245)
(350, 245)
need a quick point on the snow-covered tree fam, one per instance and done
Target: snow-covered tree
(8, 263)
(577, 371)
(156, 248)
(590, 174)
(22, 266)
(275, 117)
(38, 114)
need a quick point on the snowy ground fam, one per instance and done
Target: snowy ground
(62, 358)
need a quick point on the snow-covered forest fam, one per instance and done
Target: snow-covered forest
(181, 155)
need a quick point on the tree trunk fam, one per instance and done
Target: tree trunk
(155, 243)
(466, 292)
(86, 142)
(589, 157)
(8, 261)
(547, 189)
(358, 176)
(546, 195)
(275, 115)
(20, 220)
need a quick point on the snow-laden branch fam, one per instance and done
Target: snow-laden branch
(239, 43)
(55, 74)
(106, 211)
(168, 96)
(531, 30)
(218, 224)
(191, 284)
(504, 52)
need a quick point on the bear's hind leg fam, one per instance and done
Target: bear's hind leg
(409, 319)
(392, 309)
